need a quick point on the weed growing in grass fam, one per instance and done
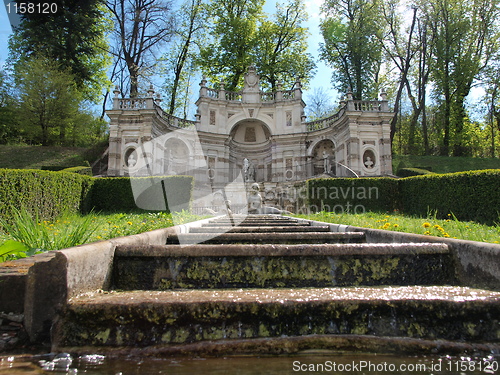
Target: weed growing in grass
(28, 235)
(430, 226)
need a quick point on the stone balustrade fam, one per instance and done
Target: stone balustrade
(173, 120)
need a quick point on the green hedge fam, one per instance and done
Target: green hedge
(473, 195)
(48, 193)
(409, 172)
(51, 194)
(117, 193)
(352, 194)
(84, 170)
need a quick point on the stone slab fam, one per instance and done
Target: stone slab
(273, 266)
(265, 229)
(269, 238)
(144, 318)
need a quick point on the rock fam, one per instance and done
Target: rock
(18, 318)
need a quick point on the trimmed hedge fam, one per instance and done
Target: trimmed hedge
(473, 195)
(50, 194)
(117, 193)
(354, 195)
(409, 172)
(84, 170)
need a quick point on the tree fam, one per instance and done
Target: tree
(351, 33)
(8, 129)
(49, 101)
(280, 53)
(180, 57)
(464, 36)
(228, 55)
(319, 104)
(416, 85)
(75, 36)
(141, 28)
(398, 49)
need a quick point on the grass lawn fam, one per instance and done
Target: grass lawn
(444, 164)
(73, 230)
(449, 228)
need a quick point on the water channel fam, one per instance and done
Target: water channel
(333, 363)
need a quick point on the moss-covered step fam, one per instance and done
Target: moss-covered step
(259, 229)
(272, 266)
(258, 224)
(269, 238)
(145, 318)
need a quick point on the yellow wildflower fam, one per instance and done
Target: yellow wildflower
(426, 225)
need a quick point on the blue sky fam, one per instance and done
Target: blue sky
(323, 74)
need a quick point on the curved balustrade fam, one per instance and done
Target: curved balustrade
(325, 122)
(173, 120)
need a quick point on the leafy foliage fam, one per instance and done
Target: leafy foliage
(351, 33)
(242, 36)
(75, 36)
(280, 54)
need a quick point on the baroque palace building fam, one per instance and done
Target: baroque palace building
(263, 136)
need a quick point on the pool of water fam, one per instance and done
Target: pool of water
(333, 363)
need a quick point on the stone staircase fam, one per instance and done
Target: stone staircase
(278, 278)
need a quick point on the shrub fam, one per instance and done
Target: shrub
(48, 194)
(84, 170)
(117, 194)
(352, 194)
(409, 172)
(472, 195)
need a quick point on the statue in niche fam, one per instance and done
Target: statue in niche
(132, 160)
(254, 199)
(369, 163)
(170, 162)
(248, 170)
(326, 162)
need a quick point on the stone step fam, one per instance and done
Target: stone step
(271, 266)
(269, 238)
(218, 223)
(258, 229)
(153, 318)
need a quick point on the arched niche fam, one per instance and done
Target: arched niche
(323, 157)
(176, 156)
(251, 139)
(250, 132)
